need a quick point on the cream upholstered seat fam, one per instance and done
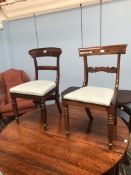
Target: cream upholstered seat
(36, 87)
(90, 94)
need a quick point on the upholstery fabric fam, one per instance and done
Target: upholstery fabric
(90, 94)
(8, 79)
(13, 77)
(2, 90)
(36, 87)
(21, 103)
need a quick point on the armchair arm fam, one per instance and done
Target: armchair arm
(2, 98)
(2, 90)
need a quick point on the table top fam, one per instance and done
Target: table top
(26, 149)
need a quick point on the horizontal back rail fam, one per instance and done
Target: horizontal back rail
(48, 52)
(102, 69)
(103, 50)
(47, 67)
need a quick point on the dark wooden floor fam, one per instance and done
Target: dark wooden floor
(25, 149)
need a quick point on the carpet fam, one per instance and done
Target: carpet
(125, 169)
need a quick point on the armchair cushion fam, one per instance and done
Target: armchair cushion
(90, 94)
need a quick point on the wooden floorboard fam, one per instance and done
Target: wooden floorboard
(27, 149)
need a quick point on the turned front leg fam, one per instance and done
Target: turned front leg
(43, 113)
(110, 130)
(66, 119)
(115, 115)
(15, 109)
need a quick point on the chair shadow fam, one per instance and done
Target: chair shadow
(89, 126)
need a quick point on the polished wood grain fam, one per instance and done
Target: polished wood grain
(103, 50)
(26, 149)
(116, 50)
(123, 103)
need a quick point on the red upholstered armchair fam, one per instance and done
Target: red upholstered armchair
(8, 79)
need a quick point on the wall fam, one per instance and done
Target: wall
(63, 30)
(2, 52)
(4, 48)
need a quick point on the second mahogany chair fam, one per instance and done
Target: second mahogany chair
(40, 90)
(90, 97)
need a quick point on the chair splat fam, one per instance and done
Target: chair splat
(102, 69)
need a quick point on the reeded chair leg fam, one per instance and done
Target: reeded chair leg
(110, 136)
(115, 116)
(89, 113)
(15, 109)
(110, 129)
(66, 119)
(115, 120)
(43, 113)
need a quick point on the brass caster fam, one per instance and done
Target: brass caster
(17, 120)
(110, 146)
(67, 133)
(45, 127)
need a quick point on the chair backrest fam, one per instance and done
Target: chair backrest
(46, 52)
(102, 50)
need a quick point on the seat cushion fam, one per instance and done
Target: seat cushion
(90, 94)
(36, 87)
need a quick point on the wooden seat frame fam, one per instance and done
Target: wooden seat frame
(111, 110)
(52, 94)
